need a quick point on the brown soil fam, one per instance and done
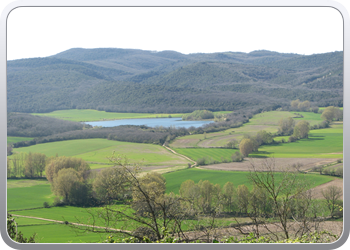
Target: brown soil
(317, 191)
(335, 227)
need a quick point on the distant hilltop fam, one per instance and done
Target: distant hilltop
(132, 80)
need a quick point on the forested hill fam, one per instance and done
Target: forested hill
(130, 80)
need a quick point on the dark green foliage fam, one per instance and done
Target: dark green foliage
(237, 157)
(198, 115)
(140, 134)
(34, 126)
(12, 230)
(144, 81)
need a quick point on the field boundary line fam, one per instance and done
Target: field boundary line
(72, 223)
(183, 156)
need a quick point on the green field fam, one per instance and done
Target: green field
(273, 117)
(26, 194)
(17, 183)
(88, 115)
(267, 121)
(322, 143)
(85, 115)
(213, 153)
(96, 151)
(29, 197)
(60, 233)
(14, 139)
(175, 179)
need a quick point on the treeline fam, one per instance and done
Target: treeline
(29, 165)
(198, 115)
(26, 125)
(141, 134)
(276, 196)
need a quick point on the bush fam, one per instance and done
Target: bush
(339, 172)
(237, 157)
(292, 139)
(46, 205)
(57, 202)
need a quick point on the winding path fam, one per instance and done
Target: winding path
(183, 156)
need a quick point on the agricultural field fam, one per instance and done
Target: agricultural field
(217, 154)
(55, 232)
(175, 179)
(85, 115)
(14, 139)
(267, 121)
(97, 151)
(89, 115)
(26, 197)
(322, 143)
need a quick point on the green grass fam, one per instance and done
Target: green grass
(214, 153)
(60, 233)
(13, 183)
(267, 121)
(29, 197)
(97, 150)
(84, 115)
(273, 117)
(14, 139)
(175, 179)
(88, 115)
(322, 143)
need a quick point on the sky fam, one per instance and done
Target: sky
(45, 31)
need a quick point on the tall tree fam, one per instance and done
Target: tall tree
(332, 113)
(64, 181)
(57, 163)
(286, 126)
(301, 130)
(246, 146)
(111, 183)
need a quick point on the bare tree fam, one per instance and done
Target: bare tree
(332, 195)
(282, 186)
(157, 214)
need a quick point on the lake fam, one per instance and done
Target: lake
(151, 122)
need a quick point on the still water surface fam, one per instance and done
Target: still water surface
(151, 122)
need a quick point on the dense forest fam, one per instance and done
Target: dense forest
(125, 80)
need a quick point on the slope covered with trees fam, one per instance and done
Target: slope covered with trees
(127, 80)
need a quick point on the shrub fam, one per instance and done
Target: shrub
(292, 139)
(46, 205)
(57, 202)
(237, 157)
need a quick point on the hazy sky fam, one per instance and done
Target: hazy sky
(45, 31)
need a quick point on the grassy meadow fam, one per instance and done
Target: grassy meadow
(14, 139)
(216, 154)
(97, 151)
(220, 177)
(88, 115)
(322, 143)
(267, 121)
(26, 197)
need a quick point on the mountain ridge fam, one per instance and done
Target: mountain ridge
(135, 80)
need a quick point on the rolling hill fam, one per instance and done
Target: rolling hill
(127, 80)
